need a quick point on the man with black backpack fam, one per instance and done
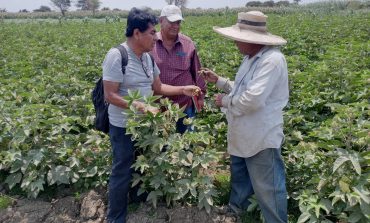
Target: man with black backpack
(140, 73)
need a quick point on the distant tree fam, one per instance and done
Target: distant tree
(282, 3)
(296, 1)
(82, 4)
(105, 9)
(43, 8)
(254, 4)
(116, 9)
(268, 3)
(23, 10)
(92, 5)
(179, 3)
(62, 5)
(3, 10)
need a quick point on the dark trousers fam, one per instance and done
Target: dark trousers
(121, 175)
(180, 126)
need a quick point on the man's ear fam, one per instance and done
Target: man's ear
(136, 33)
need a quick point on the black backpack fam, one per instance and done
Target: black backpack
(97, 95)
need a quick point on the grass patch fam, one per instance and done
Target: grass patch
(222, 184)
(5, 201)
(133, 207)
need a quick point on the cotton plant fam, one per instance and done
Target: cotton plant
(171, 167)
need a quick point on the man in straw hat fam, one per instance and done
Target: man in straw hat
(253, 106)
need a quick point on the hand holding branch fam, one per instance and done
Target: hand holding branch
(208, 75)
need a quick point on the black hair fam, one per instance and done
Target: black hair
(139, 19)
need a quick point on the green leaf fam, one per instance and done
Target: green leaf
(92, 172)
(13, 179)
(59, 175)
(17, 165)
(326, 205)
(365, 208)
(355, 160)
(304, 217)
(317, 210)
(364, 194)
(37, 186)
(153, 196)
(355, 217)
(37, 157)
(339, 162)
(344, 187)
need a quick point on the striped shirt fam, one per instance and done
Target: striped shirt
(178, 65)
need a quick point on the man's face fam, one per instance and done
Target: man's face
(248, 48)
(148, 38)
(170, 28)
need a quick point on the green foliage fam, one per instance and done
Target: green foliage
(222, 185)
(46, 113)
(5, 201)
(171, 166)
(47, 73)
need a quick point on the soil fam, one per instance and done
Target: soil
(91, 207)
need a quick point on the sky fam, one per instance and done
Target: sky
(16, 5)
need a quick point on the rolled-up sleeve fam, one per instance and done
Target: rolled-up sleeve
(224, 84)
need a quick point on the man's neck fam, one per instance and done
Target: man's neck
(134, 47)
(255, 50)
(168, 39)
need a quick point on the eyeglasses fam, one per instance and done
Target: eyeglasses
(145, 68)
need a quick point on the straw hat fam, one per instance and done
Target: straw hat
(250, 28)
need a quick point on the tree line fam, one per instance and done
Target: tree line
(86, 5)
(270, 3)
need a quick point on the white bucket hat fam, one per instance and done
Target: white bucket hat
(251, 28)
(172, 13)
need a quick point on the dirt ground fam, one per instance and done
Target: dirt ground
(91, 208)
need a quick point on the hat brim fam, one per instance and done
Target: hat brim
(174, 18)
(249, 36)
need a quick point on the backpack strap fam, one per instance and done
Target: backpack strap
(152, 58)
(124, 57)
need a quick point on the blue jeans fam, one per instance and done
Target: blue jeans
(180, 126)
(263, 175)
(120, 178)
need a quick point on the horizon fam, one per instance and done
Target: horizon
(18, 5)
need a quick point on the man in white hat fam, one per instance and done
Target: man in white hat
(254, 110)
(178, 61)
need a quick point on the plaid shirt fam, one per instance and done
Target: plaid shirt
(178, 65)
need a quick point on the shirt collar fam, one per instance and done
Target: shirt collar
(259, 54)
(262, 51)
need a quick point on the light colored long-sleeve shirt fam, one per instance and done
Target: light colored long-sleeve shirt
(255, 103)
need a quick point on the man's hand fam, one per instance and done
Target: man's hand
(201, 102)
(152, 109)
(191, 90)
(208, 75)
(145, 108)
(218, 99)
